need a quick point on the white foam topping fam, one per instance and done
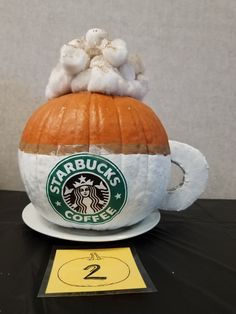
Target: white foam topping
(96, 63)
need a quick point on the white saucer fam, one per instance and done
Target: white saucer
(35, 221)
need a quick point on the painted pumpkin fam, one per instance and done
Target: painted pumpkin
(94, 161)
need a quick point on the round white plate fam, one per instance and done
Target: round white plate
(35, 221)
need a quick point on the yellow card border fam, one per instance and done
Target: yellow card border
(149, 284)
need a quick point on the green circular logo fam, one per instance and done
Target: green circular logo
(86, 189)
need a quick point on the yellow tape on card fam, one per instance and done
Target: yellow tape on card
(94, 270)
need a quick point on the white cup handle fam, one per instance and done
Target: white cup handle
(195, 169)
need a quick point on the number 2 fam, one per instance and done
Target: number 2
(94, 269)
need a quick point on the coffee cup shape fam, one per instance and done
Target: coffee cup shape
(94, 161)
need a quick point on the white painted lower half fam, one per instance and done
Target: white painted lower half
(147, 179)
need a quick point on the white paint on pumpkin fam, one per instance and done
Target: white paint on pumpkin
(147, 179)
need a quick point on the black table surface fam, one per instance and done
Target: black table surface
(190, 257)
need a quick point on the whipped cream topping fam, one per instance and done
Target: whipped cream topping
(96, 63)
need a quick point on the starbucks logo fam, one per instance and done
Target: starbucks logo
(86, 193)
(86, 189)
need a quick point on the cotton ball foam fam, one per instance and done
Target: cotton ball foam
(100, 62)
(127, 72)
(59, 83)
(80, 81)
(73, 59)
(104, 81)
(115, 52)
(78, 43)
(135, 88)
(94, 37)
(97, 64)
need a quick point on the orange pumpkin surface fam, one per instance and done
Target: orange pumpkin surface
(71, 123)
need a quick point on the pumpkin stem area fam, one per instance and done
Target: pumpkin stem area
(94, 256)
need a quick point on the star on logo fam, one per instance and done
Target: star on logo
(82, 179)
(58, 203)
(117, 196)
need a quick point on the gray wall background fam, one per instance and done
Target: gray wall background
(188, 47)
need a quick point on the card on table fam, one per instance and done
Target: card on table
(95, 271)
